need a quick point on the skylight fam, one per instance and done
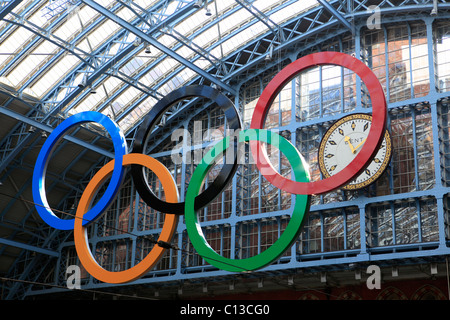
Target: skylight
(84, 40)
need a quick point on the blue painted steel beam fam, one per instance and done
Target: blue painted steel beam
(66, 47)
(26, 10)
(158, 45)
(75, 70)
(224, 39)
(173, 20)
(157, 61)
(98, 73)
(30, 26)
(8, 8)
(25, 51)
(123, 55)
(60, 106)
(84, 63)
(53, 60)
(282, 46)
(336, 14)
(28, 247)
(342, 261)
(179, 45)
(310, 32)
(260, 16)
(49, 129)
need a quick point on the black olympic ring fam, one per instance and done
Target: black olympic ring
(153, 118)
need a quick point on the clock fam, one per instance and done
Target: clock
(342, 142)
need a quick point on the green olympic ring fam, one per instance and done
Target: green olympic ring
(289, 235)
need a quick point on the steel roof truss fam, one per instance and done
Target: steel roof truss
(158, 45)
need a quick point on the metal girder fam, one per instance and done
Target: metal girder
(333, 23)
(179, 45)
(155, 27)
(99, 72)
(89, 61)
(49, 129)
(96, 74)
(157, 61)
(158, 45)
(29, 247)
(336, 14)
(222, 40)
(275, 28)
(194, 47)
(8, 8)
(41, 32)
(311, 17)
(317, 26)
(24, 140)
(23, 53)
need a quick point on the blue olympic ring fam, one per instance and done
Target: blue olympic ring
(40, 169)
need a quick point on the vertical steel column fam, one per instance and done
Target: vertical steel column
(386, 64)
(408, 27)
(293, 140)
(419, 220)
(436, 131)
(236, 184)
(361, 207)
(412, 111)
(394, 228)
(362, 231)
(344, 221)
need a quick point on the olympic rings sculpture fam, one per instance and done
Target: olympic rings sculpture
(150, 121)
(301, 186)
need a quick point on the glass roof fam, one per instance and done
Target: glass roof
(48, 48)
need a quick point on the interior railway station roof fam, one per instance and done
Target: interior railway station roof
(62, 57)
(58, 58)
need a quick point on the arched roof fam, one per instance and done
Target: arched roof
(61, 57)
(130, 52)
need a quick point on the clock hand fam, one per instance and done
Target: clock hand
(347, 139)
(359, 145)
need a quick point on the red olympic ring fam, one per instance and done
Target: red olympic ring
(367, 152)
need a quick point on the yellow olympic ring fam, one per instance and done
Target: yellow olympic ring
(168, 230)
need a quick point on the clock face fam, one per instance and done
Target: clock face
(341, 144)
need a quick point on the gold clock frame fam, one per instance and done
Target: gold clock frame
(321, 153)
